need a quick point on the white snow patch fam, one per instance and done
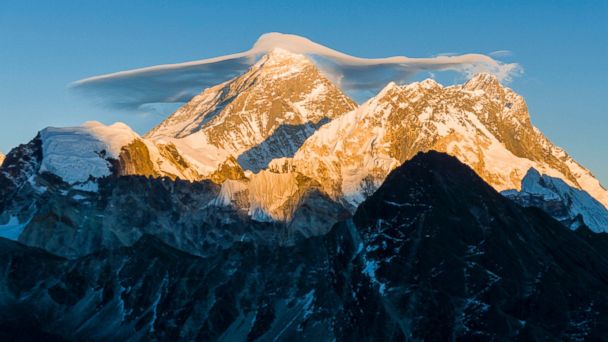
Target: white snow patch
(77, 153)
(13, 228)
(371, 266)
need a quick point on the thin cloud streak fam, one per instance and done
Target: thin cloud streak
(501, 53)
(174, 83)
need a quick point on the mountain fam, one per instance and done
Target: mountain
(239, 125)
(272, 207)
(456, 259)
(482, 123)
(41, 209)
(263, 114)
(61, 167)
(282, 135)
(222, 135)
(2, 156)
(47, 185)
(81, 154)
(570, 205)
(434, 254)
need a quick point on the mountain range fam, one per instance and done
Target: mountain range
(434, 254)
(273, 206)
(283, 125)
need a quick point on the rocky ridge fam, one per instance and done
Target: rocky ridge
(485, 125)
(400, 269)
(263, 114)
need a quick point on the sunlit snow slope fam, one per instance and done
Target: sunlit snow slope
(482, 123)
(263, 114)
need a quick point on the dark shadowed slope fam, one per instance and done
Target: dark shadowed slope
(455, 258)
(434, 254)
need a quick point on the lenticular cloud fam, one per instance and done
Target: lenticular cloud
(172, 83)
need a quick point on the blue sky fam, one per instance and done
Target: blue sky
(562, 46)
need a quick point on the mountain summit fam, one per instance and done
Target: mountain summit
(263, 114)
(482, 123)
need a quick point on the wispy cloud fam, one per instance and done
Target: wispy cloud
(172, 83)
(501, 53)
(446, 54)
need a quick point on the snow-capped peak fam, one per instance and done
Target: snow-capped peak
(427, 84)
(280, 64)
(77, 153)
(482, 123)
(482, 81)
(390, 86)
(85, 153)
(263, 114)
(430, 83)
(114, 136)
(279, 56)
(561, 200)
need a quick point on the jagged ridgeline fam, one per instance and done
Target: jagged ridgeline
(434, 254)
(272, 206)
(282, 135)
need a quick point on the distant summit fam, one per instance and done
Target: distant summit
(265, 113)
(482, 123)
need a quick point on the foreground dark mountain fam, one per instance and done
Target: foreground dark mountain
(434, 254)
(461, 260)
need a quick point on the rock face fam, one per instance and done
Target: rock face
(41, 209)
(482, 123)
(81, 155)
(434, 254)
(263, 114)
(18, 176)
(443, 246)
(568, 204)
(224, 134)
(197, 217)
(2, 157)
